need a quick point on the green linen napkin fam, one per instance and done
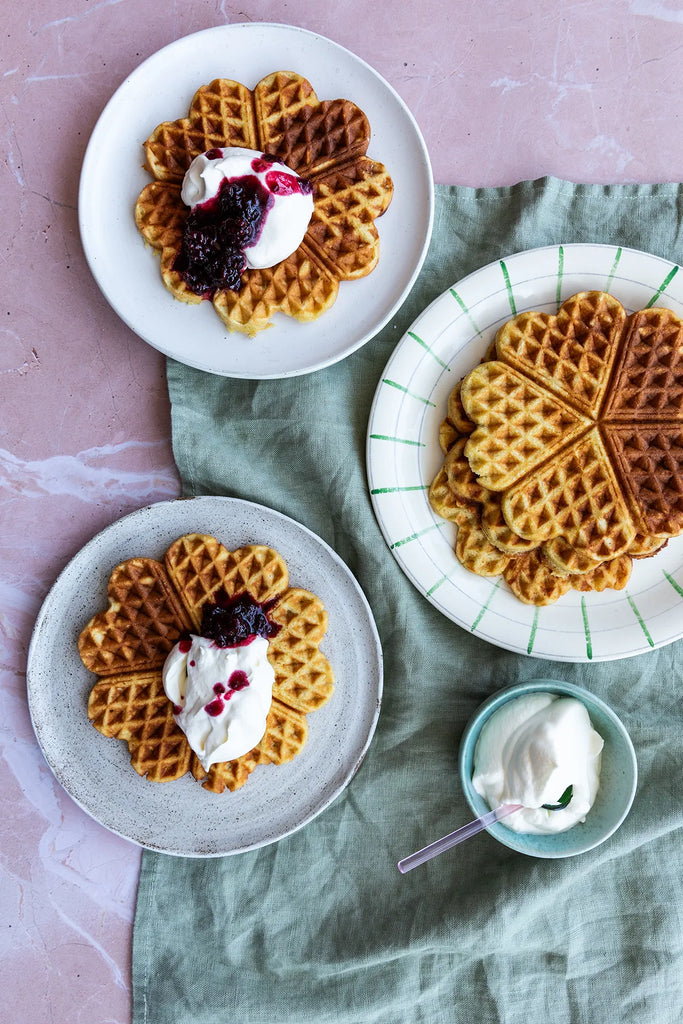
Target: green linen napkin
(321, 927)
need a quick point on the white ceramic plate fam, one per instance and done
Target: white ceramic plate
(127, 270)
(403, 455)
(181, 817)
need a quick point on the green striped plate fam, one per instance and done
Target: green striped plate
(403, 456)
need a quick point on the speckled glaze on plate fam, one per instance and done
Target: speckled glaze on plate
(403, 457)
(180, 817)
(127, 270)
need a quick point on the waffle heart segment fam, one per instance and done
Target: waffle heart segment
(570, 354)
(201, 568)
(152, 605)
(221, 114)
(142, 622)
(518, 424)
(323, 141)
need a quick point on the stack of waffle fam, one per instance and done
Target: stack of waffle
(150, 606)
(324, 141)
(564, 448)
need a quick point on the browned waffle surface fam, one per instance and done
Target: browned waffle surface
(325, 141)
(567, 441)
(151, 605)
(142, 622)
(135, 708)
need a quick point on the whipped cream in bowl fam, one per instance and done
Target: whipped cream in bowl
(560, 752)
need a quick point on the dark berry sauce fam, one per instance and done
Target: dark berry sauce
(236, 621)
(218, 231)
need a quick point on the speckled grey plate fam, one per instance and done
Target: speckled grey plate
(180, 817)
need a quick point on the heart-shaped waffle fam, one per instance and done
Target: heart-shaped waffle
(324, 141)
(579, 422)
(572, 429)
(151, 605)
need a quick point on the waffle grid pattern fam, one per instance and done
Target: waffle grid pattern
(323, 141)
(567, 442)
(151, 605)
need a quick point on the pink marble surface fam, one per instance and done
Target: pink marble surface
(502, 90)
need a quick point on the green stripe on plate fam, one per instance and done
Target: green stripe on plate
(484, 607)
(396, 440)
(395, 490)
(508, 285)
(672, 581)
(401, 387)
(532, 634)
(560, 272)
(436, 586)
(425, 346)
(641, 620)
(663, 286)
(613, 271)
(465, 310)
(415, 536)
(586, 629)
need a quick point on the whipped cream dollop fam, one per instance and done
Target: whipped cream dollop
(285, 200)
(530, 752)
(221, 695)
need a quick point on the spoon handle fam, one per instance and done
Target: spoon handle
(453, 838)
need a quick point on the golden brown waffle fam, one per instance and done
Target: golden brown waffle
(456, 411)
(285, 735)
(135, 708)
(599, 393)
(574, 495)
(573, 433)
(475, 552)
(143, 621)
(200, 568)
(448, 435)
(570, 354)
(497, 530)
(444, 502)
(324, 141)
(566, 560)
(533, 581)
(153, 604)
(464, 485)
(519, 424)
(612, 574)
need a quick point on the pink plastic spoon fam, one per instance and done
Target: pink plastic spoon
(453, 838)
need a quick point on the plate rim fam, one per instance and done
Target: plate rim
(506, 259)
(99, 130)
(374, 658)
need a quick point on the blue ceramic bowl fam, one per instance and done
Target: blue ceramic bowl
(618, 775)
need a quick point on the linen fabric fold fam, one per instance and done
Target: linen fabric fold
(321, 926)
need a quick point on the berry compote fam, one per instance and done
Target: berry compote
(217, 232)
(232, 622)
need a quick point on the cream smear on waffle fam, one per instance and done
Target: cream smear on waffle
(221, 695)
